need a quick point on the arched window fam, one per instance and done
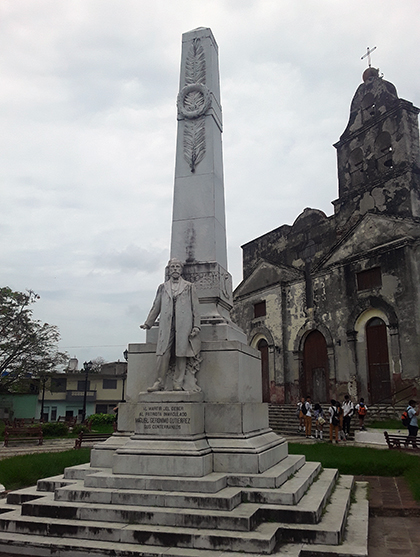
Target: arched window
(383, 151)
(356, 166)
(378, 361)
(368, 106)
(315, 367)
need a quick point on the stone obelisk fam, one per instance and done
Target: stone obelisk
(222, 425)
(198, 224)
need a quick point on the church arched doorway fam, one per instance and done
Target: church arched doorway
(262, 346)
(378, 361)
(315, 367)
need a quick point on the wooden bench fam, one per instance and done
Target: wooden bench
(70, 421)
(23, 434)
(402, 442)
(90, 438)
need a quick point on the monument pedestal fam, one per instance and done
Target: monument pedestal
(169, 438)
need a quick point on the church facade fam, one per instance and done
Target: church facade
(333, 302)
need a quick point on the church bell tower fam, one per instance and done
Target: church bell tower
(378, 154)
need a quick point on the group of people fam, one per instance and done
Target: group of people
(339, 417)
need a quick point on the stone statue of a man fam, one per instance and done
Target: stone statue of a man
(179, 326)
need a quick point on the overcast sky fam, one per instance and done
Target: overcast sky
(88, 129)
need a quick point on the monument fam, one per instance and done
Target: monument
(194, 467)
(194, 388)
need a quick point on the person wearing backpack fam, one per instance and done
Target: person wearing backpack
(412, 414)
(334, 421)
(319, 420)
(361, 412)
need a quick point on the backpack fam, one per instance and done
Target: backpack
(303, 408)
(405, 418)
(362, 409)
(335, 419)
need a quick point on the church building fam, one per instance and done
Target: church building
(333, 302)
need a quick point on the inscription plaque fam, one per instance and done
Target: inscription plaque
(168, 419)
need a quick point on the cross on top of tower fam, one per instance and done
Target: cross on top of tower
(368, 53)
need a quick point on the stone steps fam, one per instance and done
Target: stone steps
(292, 504)
(101, 506)
(159, 540)
(282, 417)
(226, 499)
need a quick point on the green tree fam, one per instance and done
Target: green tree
(28, 348)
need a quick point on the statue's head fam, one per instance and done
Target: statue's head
(175, 267)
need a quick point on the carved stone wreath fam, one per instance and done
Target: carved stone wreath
(193, 100)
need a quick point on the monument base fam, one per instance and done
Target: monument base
(193, 439)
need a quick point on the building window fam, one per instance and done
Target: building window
(260, 309)
(81, 385)
(101, 409)
(356, 166)
(58, 384)
(109, 384)
(371, 278)
(368, 106)
(54, 413)
(383, 148)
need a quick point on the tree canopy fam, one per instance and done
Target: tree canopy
(28, 347)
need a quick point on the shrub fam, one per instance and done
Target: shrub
(101, 419)
(55, 429)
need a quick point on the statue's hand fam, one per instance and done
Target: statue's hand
(144, 326)
(194, 332)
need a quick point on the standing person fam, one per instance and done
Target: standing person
(302, 413)
(308, 418)
(300, 416)
(334, 421)
(179, 327)
(319, 420)
(361, 409)
(340, 414)
(412, 414)
(348, 411)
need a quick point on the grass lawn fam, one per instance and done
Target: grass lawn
(21, 471)
(364, 461)
(388, 424)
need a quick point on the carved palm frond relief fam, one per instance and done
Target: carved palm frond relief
(195, 64)
(194, 142)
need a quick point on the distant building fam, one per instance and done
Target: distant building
(64, 393)
(333, 303)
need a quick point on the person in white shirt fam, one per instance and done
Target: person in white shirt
(308, 417)
(348, 411)
(412, 414)
(361, 409)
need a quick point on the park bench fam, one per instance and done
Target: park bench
(90, 438)
(402, 442)
(70, 421)
(23, 435)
